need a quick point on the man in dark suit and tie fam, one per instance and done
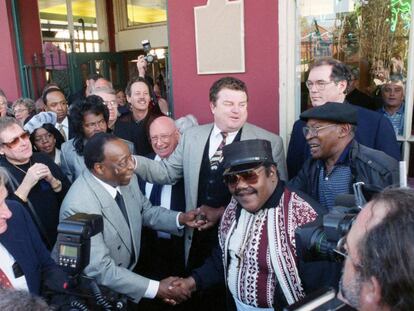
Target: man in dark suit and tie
(109, 188)
(162, 254)
(197, 158)
(25, 263)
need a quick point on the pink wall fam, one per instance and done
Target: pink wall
(190, 90)
(8, 57)
(32, 39)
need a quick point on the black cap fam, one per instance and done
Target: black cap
(245, 154)
(335, 112)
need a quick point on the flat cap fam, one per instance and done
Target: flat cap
(241, 155)
(335, 112)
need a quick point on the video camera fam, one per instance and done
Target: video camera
(318, 240)
(74, 241)
(150, 58)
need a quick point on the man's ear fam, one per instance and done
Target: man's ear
(342, 85)
(371, 293)
(212, 107)
(344, 129)
(99, 168)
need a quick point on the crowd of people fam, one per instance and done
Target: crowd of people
(203, 217)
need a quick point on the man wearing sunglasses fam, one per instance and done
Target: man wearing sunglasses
(378, 272)
(257, 233)
(329, 81)
(338, 160)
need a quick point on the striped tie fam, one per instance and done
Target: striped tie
(62, 131)
(218, 155)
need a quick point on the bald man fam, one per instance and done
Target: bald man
(162, 254)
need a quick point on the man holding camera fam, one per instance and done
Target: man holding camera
(109, 188)
(379, 250)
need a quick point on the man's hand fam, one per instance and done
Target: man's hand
(192, 219)
(212, 214)
(170, 293)
(181, 285)
(141, 66)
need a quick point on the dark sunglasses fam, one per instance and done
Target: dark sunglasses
(12, 144)
(250, 176)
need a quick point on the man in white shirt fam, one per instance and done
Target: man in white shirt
(162, 254)
(55, 101)
(109, 188)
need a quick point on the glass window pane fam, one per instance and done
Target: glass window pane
(370, 36)
(142, 12)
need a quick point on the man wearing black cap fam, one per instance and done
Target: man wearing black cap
(338, 160)
(257, 233)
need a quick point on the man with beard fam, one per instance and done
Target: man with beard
(378, 250)
(256, 256)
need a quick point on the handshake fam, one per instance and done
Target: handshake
(174, 290)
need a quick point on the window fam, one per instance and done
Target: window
(372, 37)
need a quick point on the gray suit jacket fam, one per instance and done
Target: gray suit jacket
(72, 164)
(111, 251)
(186, 162)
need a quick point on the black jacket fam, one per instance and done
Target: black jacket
(370, 166)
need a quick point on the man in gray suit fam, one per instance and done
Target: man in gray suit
(109, 188)
(197, 158)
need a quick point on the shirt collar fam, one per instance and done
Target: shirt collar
(216, 132)
(273, 200)
(399, 111)
(65, 122)
(111, 190)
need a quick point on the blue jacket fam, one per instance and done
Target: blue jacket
(374, 130)
(23, 242)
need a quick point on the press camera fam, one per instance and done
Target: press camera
(146, 45)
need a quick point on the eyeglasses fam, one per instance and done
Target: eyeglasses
(319, 84)
(250, 176)
(124, 163)
(20, 110)
(341, 250)
(92, 125)
(314, 131)
(15, 141)
(162, 138)
(110, 103)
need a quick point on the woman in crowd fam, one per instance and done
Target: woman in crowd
(44, 136)
(23, 109)
(3, 104)
(36, 181)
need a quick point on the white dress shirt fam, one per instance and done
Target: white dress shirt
(65, 127)
(6, 264)
(216, 138)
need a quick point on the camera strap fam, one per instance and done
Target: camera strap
(14, 185)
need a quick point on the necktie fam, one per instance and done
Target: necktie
(4, 280)
(62, 131)
(218, 155)
(155, 199)
(155, 196)
(120, 201)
